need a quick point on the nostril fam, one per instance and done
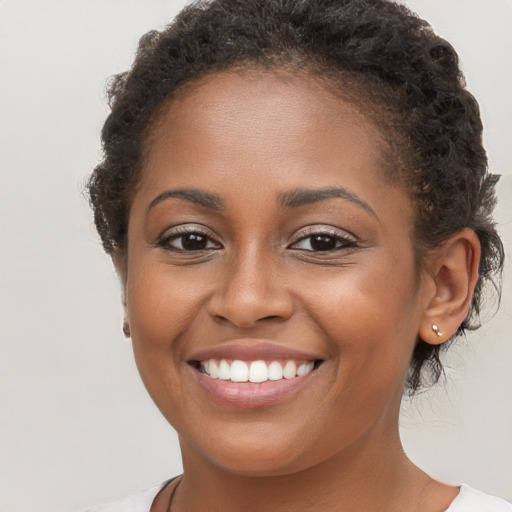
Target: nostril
(249, 306)
(246, 322)
(270, 317)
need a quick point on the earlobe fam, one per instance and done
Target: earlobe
(454, 272)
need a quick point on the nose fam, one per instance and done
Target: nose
(251, 292)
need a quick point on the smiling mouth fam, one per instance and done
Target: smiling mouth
(256, 372)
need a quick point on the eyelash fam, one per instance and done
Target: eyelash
(166, 241)
(341, 241)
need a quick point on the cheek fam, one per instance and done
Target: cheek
(162, 302)
(159, 308)
(370, 325)
(165, 307)
(370, 317)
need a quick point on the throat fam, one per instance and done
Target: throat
(340, 484)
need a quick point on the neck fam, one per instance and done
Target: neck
(368, 475)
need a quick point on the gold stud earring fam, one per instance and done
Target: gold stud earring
(435, 328)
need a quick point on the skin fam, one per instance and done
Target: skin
(248, 138)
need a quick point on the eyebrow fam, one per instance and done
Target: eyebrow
(192, 195)
(303, 196)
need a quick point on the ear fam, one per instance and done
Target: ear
(119, 260)
(453, 270)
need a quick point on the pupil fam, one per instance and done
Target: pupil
(194, 242)
(323, 243)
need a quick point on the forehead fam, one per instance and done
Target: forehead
(280, 92)
(267, 116)
(252, 138)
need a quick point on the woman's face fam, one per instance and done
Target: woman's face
(264, 229)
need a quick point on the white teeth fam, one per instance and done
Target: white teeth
(258, 372)
(275, 371)
(305, 368)
(224, 370)
(290, 370)
(239, 371)
(254, 371)
(214, 369)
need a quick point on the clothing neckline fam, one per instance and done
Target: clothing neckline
(463, 490)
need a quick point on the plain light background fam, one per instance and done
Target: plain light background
(76, 425)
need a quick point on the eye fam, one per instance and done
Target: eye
(188, 241)
(323, 242)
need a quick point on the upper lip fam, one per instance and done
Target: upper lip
(252, 350)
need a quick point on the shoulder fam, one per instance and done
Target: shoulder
(471, 500)
(138, 502)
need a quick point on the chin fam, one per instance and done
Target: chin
(254, 454)
(259, 463)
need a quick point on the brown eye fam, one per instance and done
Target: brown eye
(188, 241)
(323, 242)
(194, 242)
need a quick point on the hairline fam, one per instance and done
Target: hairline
(345, 85)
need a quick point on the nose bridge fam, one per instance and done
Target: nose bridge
(252, 289)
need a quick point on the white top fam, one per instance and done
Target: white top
(471, 500)
(138, 502)
(468, 500)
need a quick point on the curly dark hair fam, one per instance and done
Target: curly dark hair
(379, 55)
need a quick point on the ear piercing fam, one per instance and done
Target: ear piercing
(126, 329)
(435, 328)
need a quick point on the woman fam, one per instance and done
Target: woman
(296, 199)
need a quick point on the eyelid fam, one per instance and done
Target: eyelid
(347, 239)
(184, 229)
(324, 230)
(302, 234)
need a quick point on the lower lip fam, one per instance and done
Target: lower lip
(248, 395)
